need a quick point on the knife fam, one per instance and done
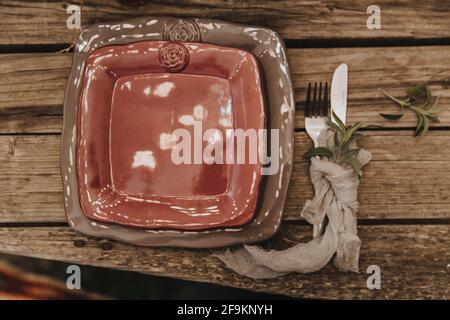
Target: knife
(338, 96)
(338, 101)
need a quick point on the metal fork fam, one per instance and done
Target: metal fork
(316, 112)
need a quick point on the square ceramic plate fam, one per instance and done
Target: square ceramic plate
(270, 53)
(133, 101)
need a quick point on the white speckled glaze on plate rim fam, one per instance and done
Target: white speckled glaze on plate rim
(270, 52)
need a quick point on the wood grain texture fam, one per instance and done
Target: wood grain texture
(44, 22)
(372, 70)
(32, 91)
(408, 178)
(413, 260)
(32, 85)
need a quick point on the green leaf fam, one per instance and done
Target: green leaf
(339, 122)
(434, 106)
(319, 152)
(337, 141)
(417, 90)
(343, 152)
(354, 152)
(426, 125)
(336, 128)
(433, 118)
(419, 127)
(419, 95)
(392, 116)
(351, 131)
(421, 101)
(431, 105)
(355, 164)
(400, 102)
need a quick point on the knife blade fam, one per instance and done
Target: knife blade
(338, 96)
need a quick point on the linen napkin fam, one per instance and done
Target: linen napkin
(336, 198)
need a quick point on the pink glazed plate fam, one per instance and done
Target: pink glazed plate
(138, 103)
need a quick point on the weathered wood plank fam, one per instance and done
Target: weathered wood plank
(32, 85)
(32, 91)
(372, 70)
(420, 272)
(408, 178)
(44, 22)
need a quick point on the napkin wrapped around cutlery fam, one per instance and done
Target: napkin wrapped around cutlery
(336, 192)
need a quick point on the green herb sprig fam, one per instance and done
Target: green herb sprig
(421, 101)
(342, 151)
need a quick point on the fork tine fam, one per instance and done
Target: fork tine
(325, 101)
(314, 103)
(319, 101)
(308, 102)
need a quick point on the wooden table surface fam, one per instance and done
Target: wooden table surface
(404, 217)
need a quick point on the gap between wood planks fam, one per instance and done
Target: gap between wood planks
(375, 129)
(290, 44)
(361, 222)
(363, 43)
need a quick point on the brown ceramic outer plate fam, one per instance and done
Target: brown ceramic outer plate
(129, 110)
(268, 49)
